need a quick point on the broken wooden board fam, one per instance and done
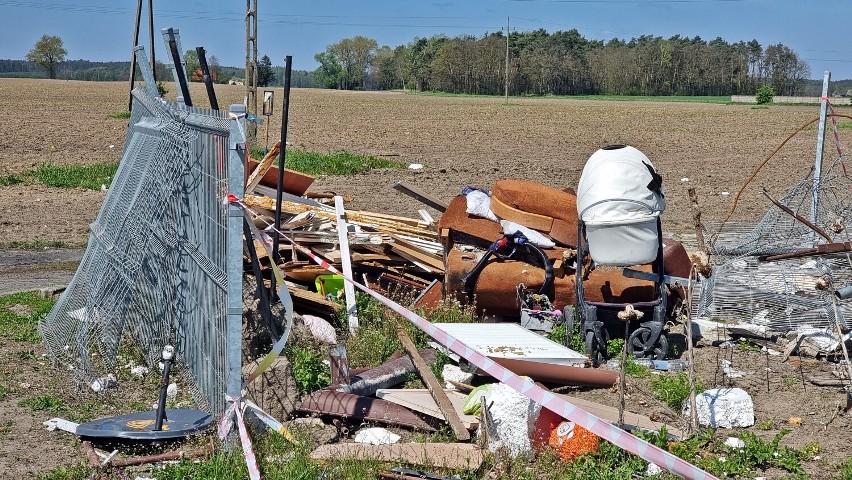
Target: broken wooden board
(312, 302)
(420, 400)
(437, 455)
(632, 421)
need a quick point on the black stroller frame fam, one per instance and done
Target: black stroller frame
(647, 339)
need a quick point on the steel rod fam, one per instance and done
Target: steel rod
(208, 82)
(285, 112)
(823, 109)
(133, 57)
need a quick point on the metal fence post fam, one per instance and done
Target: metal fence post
(236, 157)
(823, 107)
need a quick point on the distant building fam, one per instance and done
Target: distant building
(234, 81)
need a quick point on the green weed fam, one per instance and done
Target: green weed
(614, 347)
(748, 346)
(332, 163)
(76, 176)
(35, 244)
(48, 403)
(75, 472)
(310, 372)
(119, 115)
(765, 425)
(633, 369)
(672, 390)
(20, 314)
(9, 180)
(844, 471)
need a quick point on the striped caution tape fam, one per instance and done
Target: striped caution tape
(235, 411)
(599, 427)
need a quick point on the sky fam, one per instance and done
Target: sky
(102, 30)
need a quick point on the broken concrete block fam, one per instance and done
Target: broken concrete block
(275, 390)
(456, 374)
(723, 407)
(513, 416)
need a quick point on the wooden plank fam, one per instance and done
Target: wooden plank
(346, 261)
(408, 249)
(435, 387)
(438, 455)
(420, 400)
(424, 198)
(632, 421)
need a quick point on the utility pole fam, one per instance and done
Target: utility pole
(251, 67)
(507, 60)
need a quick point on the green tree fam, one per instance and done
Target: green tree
(191, 60)
(265, 75)
(765, 95)
(47, 52)
(329, 72)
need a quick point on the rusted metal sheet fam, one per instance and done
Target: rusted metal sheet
(387, 375)
(340, 404)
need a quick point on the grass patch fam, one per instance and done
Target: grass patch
(9, 180)
(76, 176)
(75, 472)
(673, 390)
(47, 403)
(35, 244)
(20, 314)
(333, 163)
(119, 115)
(376, 338)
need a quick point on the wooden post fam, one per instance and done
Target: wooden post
(434, 386)
(696, 219)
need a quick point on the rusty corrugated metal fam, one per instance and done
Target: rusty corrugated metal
(339, 404)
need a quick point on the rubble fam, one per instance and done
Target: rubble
(723, 408)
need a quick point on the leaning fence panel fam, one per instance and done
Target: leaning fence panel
(155, 269)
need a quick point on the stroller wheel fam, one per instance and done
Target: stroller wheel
(638, 339)
(594, 348)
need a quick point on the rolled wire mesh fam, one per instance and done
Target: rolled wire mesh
(781, 294)
(154, 269)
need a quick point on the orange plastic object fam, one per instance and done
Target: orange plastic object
(570, 440)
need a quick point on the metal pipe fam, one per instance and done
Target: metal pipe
(285, 112)
(208, 82)
(133, 57)
(151, 36)
(823, 108)
(168, 355)
(178, 68)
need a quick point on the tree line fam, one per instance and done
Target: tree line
(563, 63)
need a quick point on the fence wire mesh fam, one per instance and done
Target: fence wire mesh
(154, 271)
(781, 295)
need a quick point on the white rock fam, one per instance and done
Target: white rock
(724, 407)
(684, 179)
(376, 436)
(734, 442)
(653, 469)
(514, 416)
(103, 383)
(320, 329)
(172, 390)
(415, 166)
(456, 374)
(139, 371)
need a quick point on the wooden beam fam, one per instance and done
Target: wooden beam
(422, 197)
(434, 386)
(438, 455)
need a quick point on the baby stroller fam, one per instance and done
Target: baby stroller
(619, 202)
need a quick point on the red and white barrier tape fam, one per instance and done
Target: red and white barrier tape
(599, 427)
(235, 410)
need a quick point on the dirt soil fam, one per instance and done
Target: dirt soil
(460, 141)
